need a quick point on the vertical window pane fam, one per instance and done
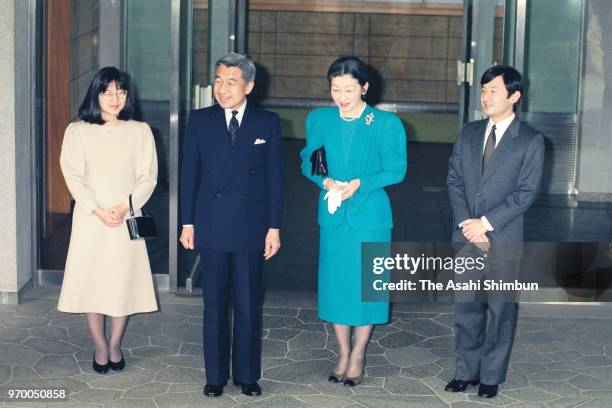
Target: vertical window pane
(199, 56)
(149, 66)
(595, 171)
(553, 55)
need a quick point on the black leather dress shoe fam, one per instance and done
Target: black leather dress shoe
(211, 390)
(459, 385)
(488, 391)
(252, 390)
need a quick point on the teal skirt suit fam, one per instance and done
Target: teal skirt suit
(371, 148)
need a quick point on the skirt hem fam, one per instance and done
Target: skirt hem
(106, 313)
(354, 323)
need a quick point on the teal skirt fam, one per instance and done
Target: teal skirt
(340, 277)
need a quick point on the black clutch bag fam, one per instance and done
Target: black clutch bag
(319, 162)
(142, 227)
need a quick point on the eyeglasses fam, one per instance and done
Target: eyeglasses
(121, 94)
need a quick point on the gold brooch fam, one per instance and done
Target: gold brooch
(369, 118)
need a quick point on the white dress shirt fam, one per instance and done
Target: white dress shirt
(239, 115)
(500, 130)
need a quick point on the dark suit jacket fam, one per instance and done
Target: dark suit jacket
(232, 195)
(508, 186)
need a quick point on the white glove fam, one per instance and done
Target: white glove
(334, 198)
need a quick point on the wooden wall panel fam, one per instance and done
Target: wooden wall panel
(342, 6)
(57, 103)
(356, 6)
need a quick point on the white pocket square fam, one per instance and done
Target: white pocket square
(259, 141)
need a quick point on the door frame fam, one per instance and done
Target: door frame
(477, 55)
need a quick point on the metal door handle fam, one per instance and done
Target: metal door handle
(465, 72)
(460, 72)
(469, 72)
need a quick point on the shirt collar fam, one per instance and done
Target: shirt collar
(500, 127)
(239, 115)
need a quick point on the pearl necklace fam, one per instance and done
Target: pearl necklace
(356, 117)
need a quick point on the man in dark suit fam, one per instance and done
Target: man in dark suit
(231, 209)
(493, 176)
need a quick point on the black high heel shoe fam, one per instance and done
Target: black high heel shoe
(335, 377)
(354, 381)
(118, 366)
(100, 368)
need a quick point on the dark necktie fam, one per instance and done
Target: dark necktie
(489, 148)
(233, 128)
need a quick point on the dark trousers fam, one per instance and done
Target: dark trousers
(485, 320)
(484, 338)
(241, 271)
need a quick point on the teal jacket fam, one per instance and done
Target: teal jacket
(377, 158)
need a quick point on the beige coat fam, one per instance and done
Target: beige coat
(105, 271)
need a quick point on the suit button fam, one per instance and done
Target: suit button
(252, 171)
(209, 168)
(479, 194)
(243, 196)
(219, 195)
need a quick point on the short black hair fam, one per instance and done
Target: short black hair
(352, 66)
(89, 111)
(512, 79)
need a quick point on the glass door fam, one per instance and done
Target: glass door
(147, 60)
(543, 40)
(549, 36)
(191, 68)
(483, 46)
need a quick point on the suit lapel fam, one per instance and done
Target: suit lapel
(359, 142)
(247, 134)
(238, 154)
(219, 130)
(221, 143)
(477, 148)
(335, 150)
(502, 151)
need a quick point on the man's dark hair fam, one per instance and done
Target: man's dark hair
(512, 79)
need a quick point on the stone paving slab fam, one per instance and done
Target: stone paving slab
(557, 362)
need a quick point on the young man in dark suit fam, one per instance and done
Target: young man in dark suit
(493, 176)
(231, 209)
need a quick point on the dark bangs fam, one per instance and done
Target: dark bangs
(352, 66)
(89, 111)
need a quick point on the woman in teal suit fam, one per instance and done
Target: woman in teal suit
(366, 151)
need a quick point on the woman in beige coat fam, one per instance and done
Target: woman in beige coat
(106, 157)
